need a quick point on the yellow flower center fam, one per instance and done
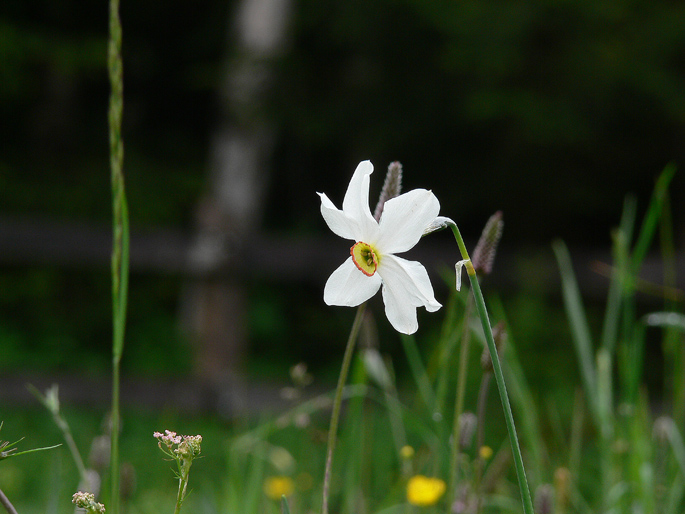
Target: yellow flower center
(364, 258)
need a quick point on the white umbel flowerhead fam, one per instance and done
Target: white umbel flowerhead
(372, 260)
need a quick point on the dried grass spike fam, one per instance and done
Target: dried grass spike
(391, 187)
(484, 254)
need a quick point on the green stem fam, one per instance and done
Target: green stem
(50, 401)
(114, 441)
(497, 370)
(4, 501)
(71, 444)
(337, 401)
(182, 484)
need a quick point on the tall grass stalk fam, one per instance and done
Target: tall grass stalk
(337, 401)
(120, 251)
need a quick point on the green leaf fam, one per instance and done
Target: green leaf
(580, 330)
(32, 450)
(652, 216)
(284, 505)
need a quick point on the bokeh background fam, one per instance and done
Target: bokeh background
(551, 111)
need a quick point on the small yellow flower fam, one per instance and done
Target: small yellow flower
(485, 452)
(276, 487)
(424, 491)
(407, 452)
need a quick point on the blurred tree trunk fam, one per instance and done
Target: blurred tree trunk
(214, 304)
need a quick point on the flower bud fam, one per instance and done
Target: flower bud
(299, 375)
(439, 223)
(562, 486)
(467, 427)
(99, 452)
(544, 499)
(87, 501)
(661, 430)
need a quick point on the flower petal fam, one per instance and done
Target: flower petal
(349, 287)
(404, 220)
(406, 286)
(402, 315)
(340, 223)
(356, 201)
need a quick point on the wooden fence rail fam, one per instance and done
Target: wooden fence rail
(36, 242)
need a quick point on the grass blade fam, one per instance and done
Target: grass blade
(652, 216)
(621, 238)
(580, 330)
(418, 371)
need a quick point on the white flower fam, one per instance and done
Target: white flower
(372, 260)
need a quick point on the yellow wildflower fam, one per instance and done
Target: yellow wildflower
(485, 452)
(276, 487)
(424, 491)
(407, 452)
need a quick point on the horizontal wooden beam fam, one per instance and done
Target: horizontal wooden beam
(38, 241)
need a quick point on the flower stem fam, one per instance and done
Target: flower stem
(337, 401)
(50, 401)
(182, 484)
(7, 504)
(71, 444)
(497, 371)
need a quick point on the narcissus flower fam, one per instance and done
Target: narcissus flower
(372, 260)
(424, 491)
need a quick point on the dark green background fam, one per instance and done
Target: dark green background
(551, 111)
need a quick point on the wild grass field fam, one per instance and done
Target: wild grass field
(471, 413)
